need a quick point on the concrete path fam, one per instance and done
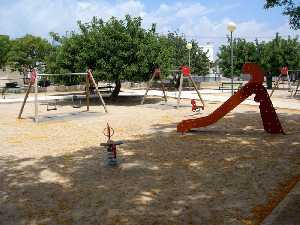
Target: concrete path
(214, 96)
(207, 95)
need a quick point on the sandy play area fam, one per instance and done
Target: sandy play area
(232, 172)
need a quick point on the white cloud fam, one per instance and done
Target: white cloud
(193, 10)
(194, 19)
(36, 17)
(41, 17)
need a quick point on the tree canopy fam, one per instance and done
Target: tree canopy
(29, 52)
(123, 50)
(290, 9)
(116, 50)
(4, 49)
(272, 55)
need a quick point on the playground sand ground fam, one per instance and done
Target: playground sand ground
(231, 172)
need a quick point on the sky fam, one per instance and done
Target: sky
(204, 21)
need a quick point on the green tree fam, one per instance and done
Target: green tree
(171, 52)
(290, 9)
(122, 50)
(28, 52)
(280, 52)
(199, 61)
(115, 50)
(271, 55)
(243, 52)
(4, 49)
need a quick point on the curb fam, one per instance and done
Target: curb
(287, 211)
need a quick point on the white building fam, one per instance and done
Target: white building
(7, 76)
(209, 48)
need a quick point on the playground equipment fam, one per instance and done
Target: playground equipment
(155, 76)
(52, 106)
(76, 101)
(185, 73)
(284, 73)
(196, 108)
(111, 146)
(294, 93)
(295, 78)
(34, 82)
(268, 114)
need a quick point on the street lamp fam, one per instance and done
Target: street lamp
(189, 47)
(231, 26)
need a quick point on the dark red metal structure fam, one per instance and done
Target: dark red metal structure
(255, 86)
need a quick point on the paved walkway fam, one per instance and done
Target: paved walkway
(207, 95)
(31, 98)
(217, 96)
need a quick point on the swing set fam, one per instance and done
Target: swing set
(185, 73)
(291, 76)
(89, 81)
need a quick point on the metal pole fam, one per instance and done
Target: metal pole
(36, 109)
(190, 58)
(180, 89)
(231, 63)
(87, 92)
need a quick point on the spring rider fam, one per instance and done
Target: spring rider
(111, 146)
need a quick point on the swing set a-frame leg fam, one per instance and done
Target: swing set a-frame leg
(195, 87)
(297, 88)
(180, 90)
(148, 87)
(164, 91)
(276, 85)
(156, 74)
(199, 95)
(24, 101)
(87, 92)
(97, 90)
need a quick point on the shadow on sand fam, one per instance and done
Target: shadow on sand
(213, 176)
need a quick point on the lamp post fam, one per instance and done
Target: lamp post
(189, 47)
(231, 26)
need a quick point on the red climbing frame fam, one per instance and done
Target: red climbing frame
(269, 117)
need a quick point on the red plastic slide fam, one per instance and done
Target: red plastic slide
(254, 86)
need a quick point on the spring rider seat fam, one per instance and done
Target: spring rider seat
(111, 146)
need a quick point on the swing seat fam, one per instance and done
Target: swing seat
(106, 89)
(51, 109)
(74, 100)
(52, 105)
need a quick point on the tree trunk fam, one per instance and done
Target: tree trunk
(117, 89)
